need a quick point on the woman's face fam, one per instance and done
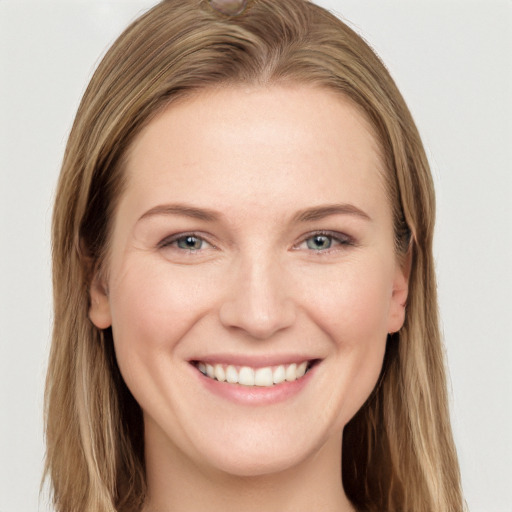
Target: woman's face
(253, 241)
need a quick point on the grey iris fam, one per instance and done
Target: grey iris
(191, 243)
(319, 242)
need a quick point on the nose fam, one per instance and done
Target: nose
(258, 300)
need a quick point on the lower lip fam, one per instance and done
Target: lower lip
(255, 395)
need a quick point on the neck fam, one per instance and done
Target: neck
(177, 484)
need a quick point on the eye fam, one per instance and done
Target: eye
(324, 241)
(185, 242)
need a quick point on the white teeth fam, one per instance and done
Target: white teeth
(247, 376)
(231, 375)
(279, 375)
(263, 377)
(301, 369)
(291, 372)
(220, 374)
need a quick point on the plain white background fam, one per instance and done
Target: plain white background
(453, 62)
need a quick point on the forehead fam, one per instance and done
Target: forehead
(258, 145)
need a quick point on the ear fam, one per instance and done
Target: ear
(99, 310)
(399, 293)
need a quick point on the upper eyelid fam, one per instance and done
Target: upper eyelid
(333, 234)
(168, 240)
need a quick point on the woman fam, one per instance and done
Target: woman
(246, 214)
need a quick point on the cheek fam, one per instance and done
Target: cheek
(154, 298)
(152, 309)
(353, 306)
(353, 310)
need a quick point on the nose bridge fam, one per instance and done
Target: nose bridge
(259, 300)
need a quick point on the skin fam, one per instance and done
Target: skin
(255, 286)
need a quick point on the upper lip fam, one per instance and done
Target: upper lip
(253, 361)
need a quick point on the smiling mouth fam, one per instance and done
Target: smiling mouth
(267, 376)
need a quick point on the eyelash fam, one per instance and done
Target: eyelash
(339, 239)
(174, 239)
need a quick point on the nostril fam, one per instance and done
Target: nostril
(257, 298)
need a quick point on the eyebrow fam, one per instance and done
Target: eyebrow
(207, 215)
(181, 209)
(320, 212)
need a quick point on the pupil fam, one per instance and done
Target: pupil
(320, 242)
(190, 242)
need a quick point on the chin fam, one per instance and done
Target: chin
(259, 462)
(256, 452)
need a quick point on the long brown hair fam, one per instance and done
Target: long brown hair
(398, 451)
